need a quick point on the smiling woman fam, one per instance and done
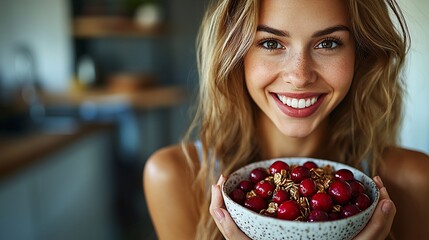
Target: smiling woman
(285, 78)
(296, 63)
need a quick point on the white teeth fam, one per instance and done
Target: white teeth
(294, 103)
(282, 98)
(297, 103)
(301, 103)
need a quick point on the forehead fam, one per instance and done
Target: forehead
(296, 14)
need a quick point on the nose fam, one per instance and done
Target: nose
(299, 69)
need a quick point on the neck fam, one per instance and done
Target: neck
(275, 144)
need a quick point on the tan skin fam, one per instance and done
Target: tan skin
(167, 177)
(168, 194)
(405, 175)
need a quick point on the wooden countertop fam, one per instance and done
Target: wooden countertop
(18, 152)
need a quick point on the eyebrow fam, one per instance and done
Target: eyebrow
(265, 28)
(280, 33)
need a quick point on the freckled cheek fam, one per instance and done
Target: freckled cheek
(258, 74)
(342, 75)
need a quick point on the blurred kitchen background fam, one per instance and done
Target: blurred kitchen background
(90, 88)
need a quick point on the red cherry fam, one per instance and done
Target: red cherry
(280, 196)
(357, 187)
(255, 203)
(340, 191)
(334, 216)
(362, 201)
(344, 175)
(277, 166)
(264, 189)
(238, 196)
(307, 187)
(288, 210)
(300, 173)
(246, 185)
(349, 210)
(321, 201)
(310, 165)
(258, 174)
(318, 216)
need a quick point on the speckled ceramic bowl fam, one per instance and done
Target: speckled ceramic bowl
(257, 226)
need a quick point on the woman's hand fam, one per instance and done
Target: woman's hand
(221, 217)
(381, 221)
(377, 228)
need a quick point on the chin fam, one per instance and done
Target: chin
(299, 129)
(296, 132)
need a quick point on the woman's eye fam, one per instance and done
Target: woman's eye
(328, 44)
(271, 44)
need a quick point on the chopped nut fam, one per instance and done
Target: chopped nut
(303, 202)
(294, 193)
(336, 208)
(269, 178)
(272, 207)
(328, 169)
(326, 183)
(317, 173)
(305, 212)
(320, 187)
(250, 194)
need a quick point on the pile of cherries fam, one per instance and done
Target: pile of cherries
(303, 193)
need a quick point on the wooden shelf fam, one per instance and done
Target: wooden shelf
(147, 98)
(97, 27)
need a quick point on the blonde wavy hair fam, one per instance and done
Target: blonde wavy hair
(364, 124)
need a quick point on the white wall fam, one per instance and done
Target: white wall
(45, 28)
(415, 132)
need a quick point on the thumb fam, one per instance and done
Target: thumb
(381, 221)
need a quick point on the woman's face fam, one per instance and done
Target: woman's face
(300, 66)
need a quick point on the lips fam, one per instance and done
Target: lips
(298, 105)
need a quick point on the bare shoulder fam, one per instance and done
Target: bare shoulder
(405, 163)
(168, 166)
(167, 181)
(405, 175)
(168, 162)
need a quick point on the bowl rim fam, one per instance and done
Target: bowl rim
(371, 208)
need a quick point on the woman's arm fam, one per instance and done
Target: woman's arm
(167, 187)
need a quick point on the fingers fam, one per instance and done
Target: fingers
(217, 200)
(221, 217)
(378, 182)
(381, 221)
